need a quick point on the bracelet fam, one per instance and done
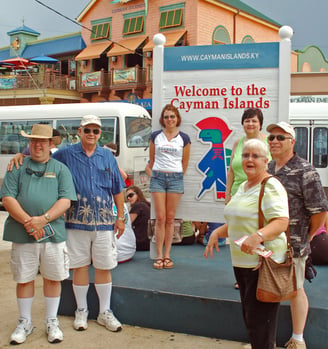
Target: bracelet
(260, 235)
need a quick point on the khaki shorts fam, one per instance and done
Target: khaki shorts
(300, 270)
(48, 257)
(97, 246)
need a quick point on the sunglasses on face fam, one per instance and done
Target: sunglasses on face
(169, 116)
(131, 195)
(279, 137)
(247, 156)
(95, 131)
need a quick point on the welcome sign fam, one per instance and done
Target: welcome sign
(212, 86)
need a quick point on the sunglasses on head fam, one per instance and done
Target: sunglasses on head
(95, 131)
(279, 137)
(169, 116)
(131, 195)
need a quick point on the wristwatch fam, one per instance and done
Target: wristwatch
(121, 219)
(47, 217)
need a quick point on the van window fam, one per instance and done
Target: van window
(68, 129)
(137, 132)
(302, 138)
(11, 141)
(320, 142)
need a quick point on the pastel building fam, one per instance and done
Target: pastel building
(111, 58)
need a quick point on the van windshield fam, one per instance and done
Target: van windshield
(137, 132)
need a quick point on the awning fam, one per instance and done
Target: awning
(93, 51)
(171, 39)
(126, 46)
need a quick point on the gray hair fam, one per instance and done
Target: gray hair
(258, 144)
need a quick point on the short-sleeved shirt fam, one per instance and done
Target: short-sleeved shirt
(168, 154)
(241, 214)
(37, 195)
(96, 179)
(236, 164)
(306, 197)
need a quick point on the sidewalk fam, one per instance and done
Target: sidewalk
(96, 336)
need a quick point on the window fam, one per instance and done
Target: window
(247, 39)
(221, 36)
(302, 141)
(68, 129)
(133, 25)
(100, 31)
(137, 132)
(11, 141)
(320, 143)
(172, 18)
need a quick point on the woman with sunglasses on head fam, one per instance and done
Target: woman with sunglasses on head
(139, 215)
(169, 151)
(252, 121)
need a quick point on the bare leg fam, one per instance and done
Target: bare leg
(51, 288)
(172, 201)
(25, 290)
(159, 200)
(299, 308)
(81, 276)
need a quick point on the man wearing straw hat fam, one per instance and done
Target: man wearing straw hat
(36, 197)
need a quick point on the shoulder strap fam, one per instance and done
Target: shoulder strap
(261, 216)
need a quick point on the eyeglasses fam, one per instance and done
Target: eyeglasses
(280, 138)
(95, 131)
(30, 172)
(172, 116)
(247, 156)
(131, 195)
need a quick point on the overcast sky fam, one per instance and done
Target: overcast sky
(307, 18)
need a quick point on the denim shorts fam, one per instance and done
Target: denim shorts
(166, 182)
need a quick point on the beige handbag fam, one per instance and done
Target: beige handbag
(277, 281)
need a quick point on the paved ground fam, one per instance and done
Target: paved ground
(96, 336)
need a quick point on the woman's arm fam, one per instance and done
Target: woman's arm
(151, 154)
(185, 157)
(133, 217)
(230, 175)
(220, 232)
(270, 232)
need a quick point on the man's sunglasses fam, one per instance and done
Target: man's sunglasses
(280, 138)
(95, 131)
(40, 174)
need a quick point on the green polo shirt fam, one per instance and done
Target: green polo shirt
(37, 195)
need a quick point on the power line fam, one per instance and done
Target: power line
(83, 26)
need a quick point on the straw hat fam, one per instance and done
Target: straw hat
(39, 131)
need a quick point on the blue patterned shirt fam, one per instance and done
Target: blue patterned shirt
(96, 179)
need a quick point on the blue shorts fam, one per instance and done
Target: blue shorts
(166, 182)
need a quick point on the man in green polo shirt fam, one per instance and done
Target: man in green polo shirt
(36, 197)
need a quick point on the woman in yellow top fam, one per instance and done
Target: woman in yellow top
(252, 121)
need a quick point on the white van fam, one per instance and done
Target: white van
(310, 121)
(125, 124)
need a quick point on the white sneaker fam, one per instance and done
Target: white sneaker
(55, 334)
(81, 320)
(108, 320)
(23, 329)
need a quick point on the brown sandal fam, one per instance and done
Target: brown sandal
(158, 264)
(168, 263)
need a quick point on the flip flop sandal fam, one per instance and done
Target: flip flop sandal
(158, 264)
(168, 263)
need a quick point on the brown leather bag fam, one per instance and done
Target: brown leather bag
(277, 281)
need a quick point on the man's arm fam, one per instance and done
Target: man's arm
(119, 224)
(316, 221)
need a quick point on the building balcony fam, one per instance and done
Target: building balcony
(32, 81)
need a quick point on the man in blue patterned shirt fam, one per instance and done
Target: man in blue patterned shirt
(307, 211)
(90, 223)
